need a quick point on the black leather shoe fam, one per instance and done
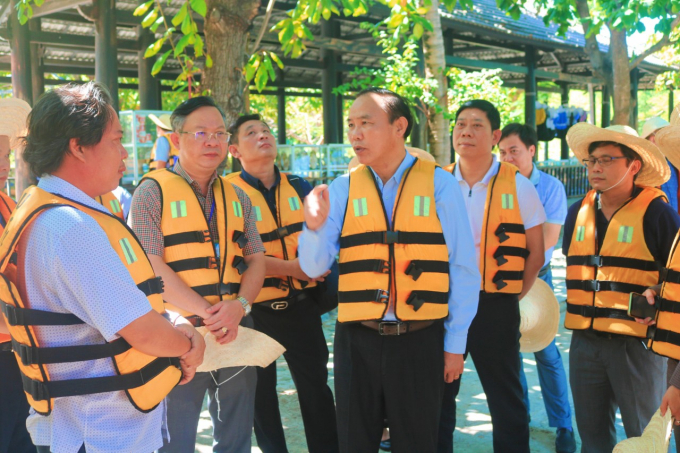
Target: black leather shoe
(565, 441)
(386, 445)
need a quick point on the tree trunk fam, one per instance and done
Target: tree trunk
(226, 34)
(435, 68)
(618, 49)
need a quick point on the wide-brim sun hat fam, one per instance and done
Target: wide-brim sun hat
(652, 125)
(654, 439)
(668, 138)
(415, 152)
(250, 348)
(539, 317)
(162, 121)
(655, 170)
(13, 115)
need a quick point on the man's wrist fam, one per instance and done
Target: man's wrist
(245, 304)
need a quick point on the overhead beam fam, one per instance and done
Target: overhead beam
(344, 46)
(83, 42)
(54, 6)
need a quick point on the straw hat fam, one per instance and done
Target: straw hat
(667, 139)
(654, 439)
(652, 125)
(162, 121)
(13, 115)
(655, 170)
(250, 348)
(415, 152)
(539, 317)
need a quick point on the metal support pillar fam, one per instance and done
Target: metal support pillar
(530, 87)
(671, 102)
(37, 70)
(591, 101)
(606, 107)
(564, 148)
(105, 43)
(419, 133)
(634, 82)
(20, 43)
(281, 117)
(149, 86)
(329, 81)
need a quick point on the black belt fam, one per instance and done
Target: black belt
(284, 304)
(396, 327)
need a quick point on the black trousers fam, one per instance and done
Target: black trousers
(398, 378)
(298, 329)
(13, 408)
(493, 344)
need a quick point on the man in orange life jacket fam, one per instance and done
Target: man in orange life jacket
(201, 236)
(506, 217)
(13, 434)
(407, 288)
(72, 255)
(286, 308)
(616, 239)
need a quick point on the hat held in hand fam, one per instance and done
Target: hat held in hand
(539, 317)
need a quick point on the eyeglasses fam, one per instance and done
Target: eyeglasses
(604, 161)
(201, 136)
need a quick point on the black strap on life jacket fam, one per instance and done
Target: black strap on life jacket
(392, 237)
(351, 267)
(205, 262)
(41, 391)
(613, 261)
(665, 336)
(600, 285)
(275, 283)
(32, 355)
(151, 286)
(669, 275)
(217, 289)
(418, 298)
(295, 182)
(188, 237)
(504, 250)
(504, 228)
(281, 232)
(667, 305)
(501, 276)
(365, 295)
(589, 311)
(416, 267)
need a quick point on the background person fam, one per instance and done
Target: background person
(670, 187)
(517, 146)
(164, 152)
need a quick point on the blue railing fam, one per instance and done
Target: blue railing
(572, 174)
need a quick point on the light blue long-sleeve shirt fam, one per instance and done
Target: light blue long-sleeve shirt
(318, 249)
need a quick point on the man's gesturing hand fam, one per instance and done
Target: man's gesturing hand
(317, 206)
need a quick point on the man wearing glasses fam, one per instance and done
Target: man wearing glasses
(616, 239)
(199, 232)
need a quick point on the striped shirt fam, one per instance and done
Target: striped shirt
(146, 209)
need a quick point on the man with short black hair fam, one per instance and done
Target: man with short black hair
(518, 146)
(199, 232)
(615, 239)
(506, 218)
(407, 290)
(287, 307)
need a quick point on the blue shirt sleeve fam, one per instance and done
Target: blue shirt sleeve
(465, 280)
(162, 149)
(554, 200)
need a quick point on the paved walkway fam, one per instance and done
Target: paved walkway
(473, 435)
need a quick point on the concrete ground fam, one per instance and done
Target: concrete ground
(473, 434)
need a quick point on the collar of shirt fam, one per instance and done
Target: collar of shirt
(493, 170)
(56, 185)
(257, 184)
(180, 171)
(396, 177)
(535, 176)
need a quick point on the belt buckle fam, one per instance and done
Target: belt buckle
(383, 324)
(280, 305)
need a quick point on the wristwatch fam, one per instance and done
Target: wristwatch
(245, 304)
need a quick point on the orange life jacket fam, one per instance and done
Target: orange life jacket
(503, 246)
(7, 206)
(190, 250)
(145, 379)
(279, 235)
(664, 336)
(110, 202)
(174, 152)
(407, 263)
(599, 282)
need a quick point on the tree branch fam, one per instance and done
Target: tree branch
(665, 41)
(592, 47)
(265, 22)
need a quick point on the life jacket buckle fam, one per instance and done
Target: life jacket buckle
(414, 271)
(12, 314)
(239, 264)
(38, 390)
(500, 259)
(282, 232)
(382, 296)
(415, 301)
(390, 237)
(24, 352)
(500, 233)
(240, 238)
(206, 235)
(282, 285)
(595, 285)
(663, 274)
(212, 262)
(499, 282)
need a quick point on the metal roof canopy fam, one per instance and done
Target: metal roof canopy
(65, 38)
